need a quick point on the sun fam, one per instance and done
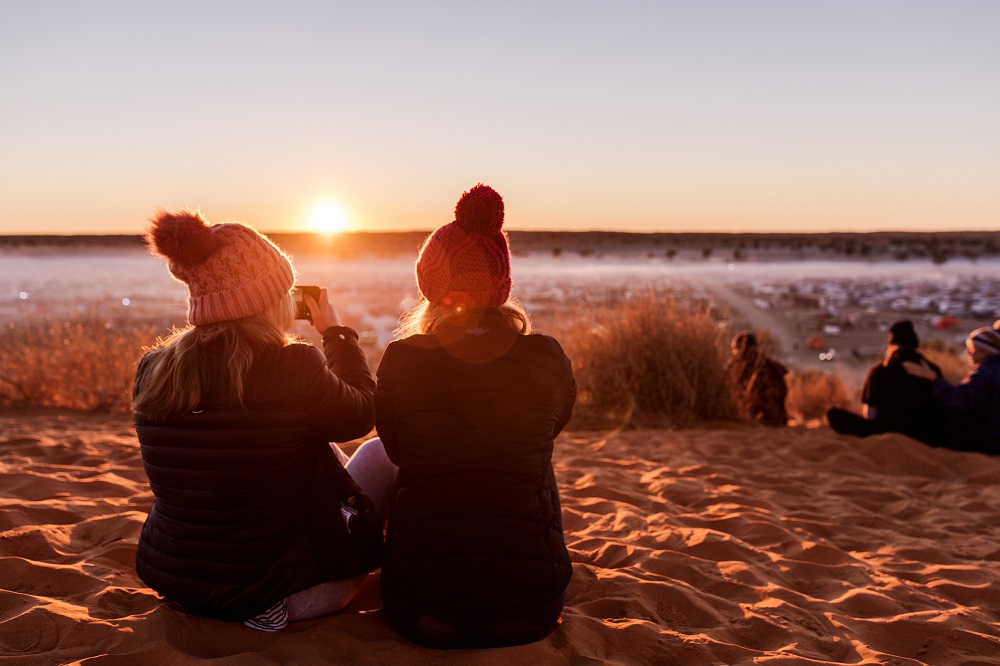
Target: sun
(328, 218)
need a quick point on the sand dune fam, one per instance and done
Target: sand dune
(729, 545)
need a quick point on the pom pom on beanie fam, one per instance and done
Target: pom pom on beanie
(184, 238)
(231, 270)
(467, 262)
(480, 211)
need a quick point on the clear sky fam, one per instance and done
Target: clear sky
(766, 115)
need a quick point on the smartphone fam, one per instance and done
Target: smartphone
(298, 293)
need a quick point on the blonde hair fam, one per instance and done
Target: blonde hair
(425, 317)
(178, 372)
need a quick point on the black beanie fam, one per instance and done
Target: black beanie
(901, 333)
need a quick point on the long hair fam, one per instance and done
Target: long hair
(426, 317)
(178, 373)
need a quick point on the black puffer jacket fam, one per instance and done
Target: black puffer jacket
(904, 403)
(470, 417)
(247, 500)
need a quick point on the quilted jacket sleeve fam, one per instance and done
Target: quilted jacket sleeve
(341, 391)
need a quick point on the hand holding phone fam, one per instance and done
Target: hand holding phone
(317, 307)
(298, 295)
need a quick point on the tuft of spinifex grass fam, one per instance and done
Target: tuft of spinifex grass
(86, 364)
(812, 392)
(649, 361)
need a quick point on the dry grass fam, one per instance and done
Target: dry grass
(954, 366)
(646, 361)
(649, 362)
(86, 364)
(812, 392)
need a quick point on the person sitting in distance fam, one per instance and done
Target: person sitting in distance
(977, 396)
(760, 380)
(892, 399)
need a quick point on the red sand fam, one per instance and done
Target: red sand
(728, 545)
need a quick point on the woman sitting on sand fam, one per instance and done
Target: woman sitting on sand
(895, 401)
(468, 405)
(759, 379)
(978, 394)
(254, 517)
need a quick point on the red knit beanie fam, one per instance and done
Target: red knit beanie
(231, 271)
(467, 262)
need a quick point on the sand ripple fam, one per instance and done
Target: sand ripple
(733, 545)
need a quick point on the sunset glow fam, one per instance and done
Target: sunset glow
(778, 117)
(328, 218)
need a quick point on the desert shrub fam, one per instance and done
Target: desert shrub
(649, 361)
(812, 392)
(76, 365)
(954, 366)
(88, 364)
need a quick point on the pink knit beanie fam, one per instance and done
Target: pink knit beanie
(467, 262)
(231, 271)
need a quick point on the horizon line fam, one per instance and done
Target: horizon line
(355, 232)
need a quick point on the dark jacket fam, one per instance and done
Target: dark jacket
(469, 416)
(904, 403)
(247, 499)
(978, 395)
